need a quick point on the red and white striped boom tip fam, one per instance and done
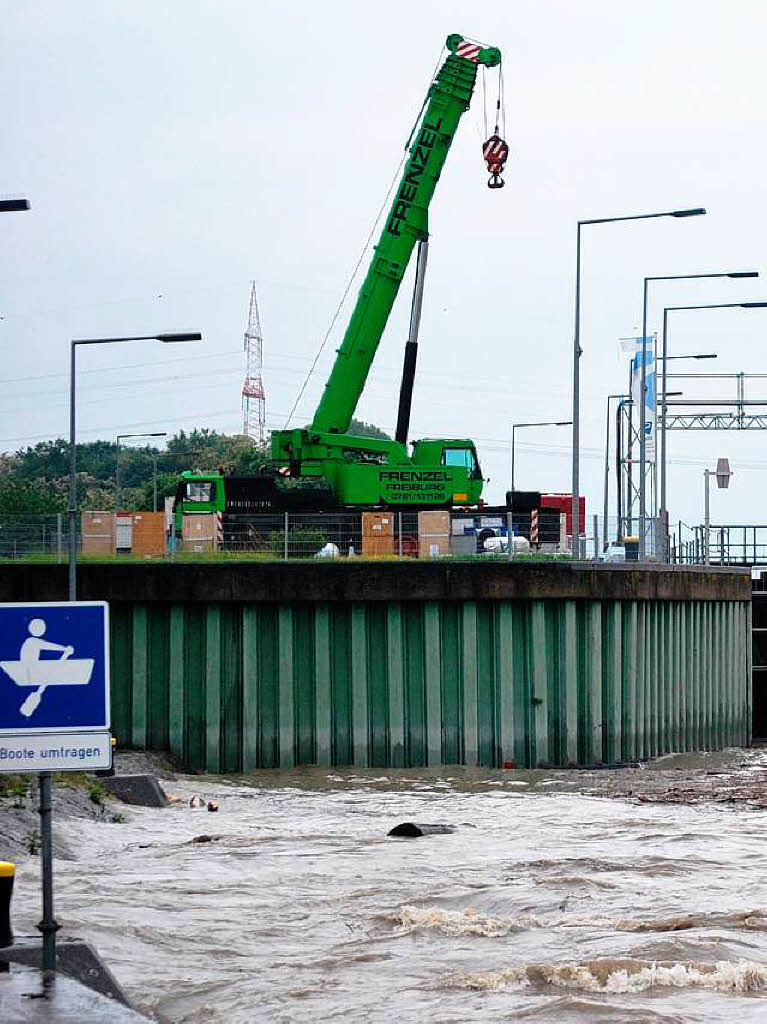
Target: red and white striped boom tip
(469, 49)
(473, 51)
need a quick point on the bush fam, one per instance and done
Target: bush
(303, 542)
(17, 787)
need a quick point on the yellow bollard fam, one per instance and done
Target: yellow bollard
(7, 874)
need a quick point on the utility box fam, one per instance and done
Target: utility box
(433, 534)
(170, 517)
(123, 533)
(631, 544)
(463, 544)
(377, 534)
(97, 530)
(149, 533)
(198, 532)
(463, 535)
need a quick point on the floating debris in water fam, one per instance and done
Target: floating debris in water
(473, 922)
(624, 976)
(409, 830)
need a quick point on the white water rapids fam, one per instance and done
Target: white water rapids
(543, 905)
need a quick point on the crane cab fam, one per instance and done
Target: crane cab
(458, 458)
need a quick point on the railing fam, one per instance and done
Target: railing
(286, 535)
(729, 544)
(34, 535)
(437, 534)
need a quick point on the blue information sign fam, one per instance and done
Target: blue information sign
(54, 667)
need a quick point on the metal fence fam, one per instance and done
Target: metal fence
(388, 535)
(728, 544)
(27, 535)
(293, 535)
(458, 534)
(286, 535)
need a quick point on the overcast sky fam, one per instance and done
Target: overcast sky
(173, 151)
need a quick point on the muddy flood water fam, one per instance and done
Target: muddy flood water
(547, 903)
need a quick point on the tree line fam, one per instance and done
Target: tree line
(35, 480)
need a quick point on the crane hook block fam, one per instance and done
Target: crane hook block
(496, 153)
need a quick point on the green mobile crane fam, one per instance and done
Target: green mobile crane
(322, 466)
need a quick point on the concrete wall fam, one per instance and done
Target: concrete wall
(759, 649)
(237, 668)
(360, 580)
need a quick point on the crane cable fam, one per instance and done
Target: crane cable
(484, 98)
(357, 265)
(495, 150)
(500, 103)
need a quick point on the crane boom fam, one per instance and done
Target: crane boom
(323, 467)
(407, 222)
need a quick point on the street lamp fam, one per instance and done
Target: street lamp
(168, 455)
(643, 387)
(697, 211)
(166, 339)
(122, 437)
(607, 472)
(154, 482)
(722, 474)
(13, 205)
(693, 355)
(544, 423)
(664, 395)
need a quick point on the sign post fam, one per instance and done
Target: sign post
(48, 925)
(54, 708)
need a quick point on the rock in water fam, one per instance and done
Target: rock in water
(409, 830)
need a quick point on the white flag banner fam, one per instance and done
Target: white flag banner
(650, 418)
(632, 345)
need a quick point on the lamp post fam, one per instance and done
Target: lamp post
(665, 357)
(168, 455)
(665, 395)
(166, 339)
(607, 473)
(13, 205)
(577, 351)
(722, 474)
(663, 410)
(544, 423)
(643, 388)
(122, 437)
